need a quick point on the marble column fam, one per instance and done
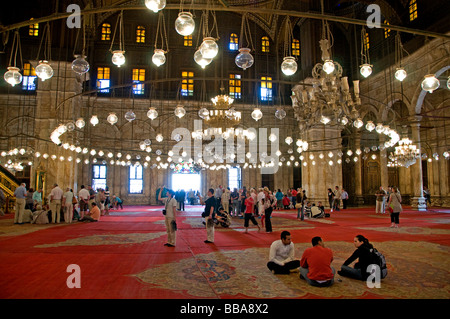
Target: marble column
(417, 199)
(358, 173)
(383, 164)
(318, 175)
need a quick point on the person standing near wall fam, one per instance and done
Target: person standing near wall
(21, 194)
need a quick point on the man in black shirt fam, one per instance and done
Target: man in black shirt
(208, 214)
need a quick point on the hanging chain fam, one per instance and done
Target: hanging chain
(161, 32)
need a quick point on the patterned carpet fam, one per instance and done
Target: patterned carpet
(123, 257)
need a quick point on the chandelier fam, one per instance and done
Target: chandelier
(223, 118)
(405, 153)
(326, 97)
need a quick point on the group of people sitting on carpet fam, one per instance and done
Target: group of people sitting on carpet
(315, 263)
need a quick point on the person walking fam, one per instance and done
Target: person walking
(249, 210)
(395, 205)
(170, 217)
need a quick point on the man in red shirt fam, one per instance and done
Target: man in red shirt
(315, 265)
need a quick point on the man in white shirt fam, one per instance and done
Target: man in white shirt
(281, 257)
(56, 196)
(170, 207)
(83, 200)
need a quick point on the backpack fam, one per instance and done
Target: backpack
(379, 259)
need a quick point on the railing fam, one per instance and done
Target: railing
(8, 183)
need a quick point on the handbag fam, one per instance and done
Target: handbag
(74, 200)
(298, 205)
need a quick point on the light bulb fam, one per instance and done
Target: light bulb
(358, 123)
(130, 116)
(430, 83)
(280, 113)
(112, 118)
(158, 57)
(185, 24)
(152, 113)
(44, 71)
(80, 65)
(118, 58)
(80, 123)
(201, 60)
(209, 48)
(159, 138)
(328, 66)
(289, 66)
(155, 5)
(400, 74)
(180, 111)
(244, 59)
(94, 120)
(13, 76)
(370, 126)
(257, 114)
(366, 70)
(203, 113)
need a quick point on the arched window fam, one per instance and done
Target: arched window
(387, 32)
(33, 30)
(265, 44)
(138, 76)
(187, 84)
(188, 40)
(103, 79)
(140, 34)
(295, 47)
(106, 32)
(266, 88)
(136, 179)
(235, 86)
(234, 42)
(412, 10)
(366, 41)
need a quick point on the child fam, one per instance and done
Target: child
(286, 202)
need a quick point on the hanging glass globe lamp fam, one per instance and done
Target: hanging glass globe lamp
(257, 114)
(13, 76)
(152, 113)
(430, 83)
(400, 74)
(44, 71)
(185, 24)
(365, 70)
(289, 65)
(118, 58)
(209, 48)
(201, 60)
(159, 57)
(80, 65)
(244, 59)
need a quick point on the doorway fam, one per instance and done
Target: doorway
(186, 182)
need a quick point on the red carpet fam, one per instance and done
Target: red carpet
(123, 257)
